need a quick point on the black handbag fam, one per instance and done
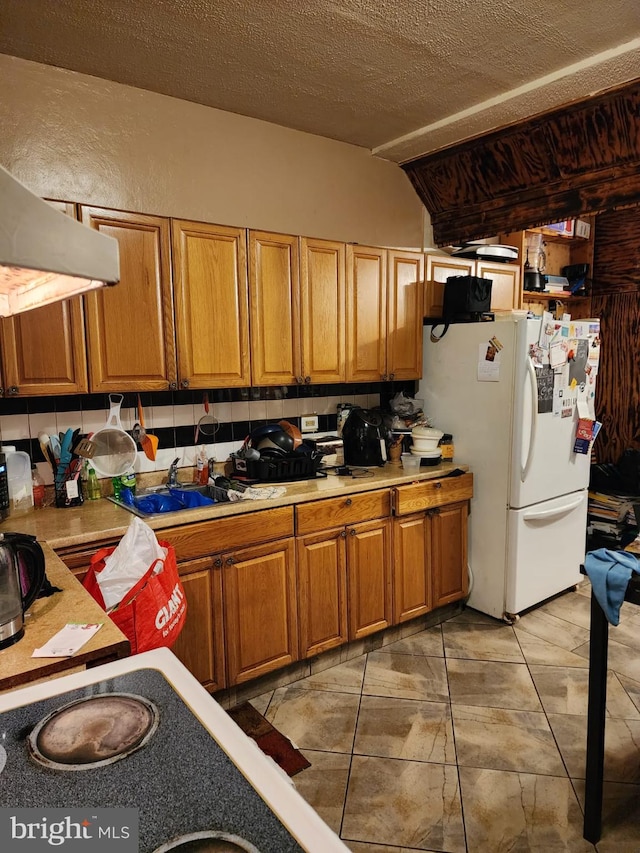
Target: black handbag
(467, 299)
(466, 296)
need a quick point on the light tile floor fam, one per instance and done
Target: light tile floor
(470, 736)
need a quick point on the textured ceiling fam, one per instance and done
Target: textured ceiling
(399, 77)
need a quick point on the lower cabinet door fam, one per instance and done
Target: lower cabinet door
(322, 591)
(200, 644)
(450, 573)
(260, 610)
(369, 577)
(412, 587)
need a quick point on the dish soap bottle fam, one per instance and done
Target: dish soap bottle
(93, 486)
(37, 486)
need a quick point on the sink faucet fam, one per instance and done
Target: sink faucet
(172, 475)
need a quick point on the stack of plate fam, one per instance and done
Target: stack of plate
(429, 457)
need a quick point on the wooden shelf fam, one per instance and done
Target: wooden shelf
(553, 237)
(538, 296)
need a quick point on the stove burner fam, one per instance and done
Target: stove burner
(94, 731)
(208, 842)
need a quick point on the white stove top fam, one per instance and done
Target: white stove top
(272, 785)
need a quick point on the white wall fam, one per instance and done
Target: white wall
(79, 138)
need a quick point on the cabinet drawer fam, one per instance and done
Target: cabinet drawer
(335, 512)
(224, 534)
(418, 496)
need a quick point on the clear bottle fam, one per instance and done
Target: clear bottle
(37, 485)
(93, 486)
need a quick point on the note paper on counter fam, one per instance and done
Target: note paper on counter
(67, 641)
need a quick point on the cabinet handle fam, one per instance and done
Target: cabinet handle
(1, 392)
(384, 377)
(185, 383)
(173, 386)
(438, 485)
(352, 532)
(229, 561)
(343, 534)
(218, 562)
(307, 380)
(391, 376)
(300, 380)
(348, 502)
(13, 390)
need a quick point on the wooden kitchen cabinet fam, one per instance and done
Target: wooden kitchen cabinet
(505, 289)
(274, 308)
(369, 577)
(412, 567)
(211, 305)
(200, 644)
(322, 591)
(254, 554)
(405, 285)
(438, 268)
(366, 314)
(260, 610)
(43, 350)
(449, 553)
(430, 539)
(384, 314)
(322, 311)
(344, 569)
(130, 327)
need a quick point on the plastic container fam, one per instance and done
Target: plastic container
(37, 487)
(447, 447)
(93, 486)
(20, 484)
(410, 463)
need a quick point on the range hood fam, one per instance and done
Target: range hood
(45, 255)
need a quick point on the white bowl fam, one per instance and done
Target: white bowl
(427, 454)
(425, 443)
(426, 432)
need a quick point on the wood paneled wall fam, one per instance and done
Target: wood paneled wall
(616, 300)
(582, 158)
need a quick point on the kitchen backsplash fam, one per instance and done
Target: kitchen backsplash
(172, 416)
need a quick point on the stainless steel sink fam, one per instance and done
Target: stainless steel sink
(212, 492)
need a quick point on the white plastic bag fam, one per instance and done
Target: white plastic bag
(135, 553)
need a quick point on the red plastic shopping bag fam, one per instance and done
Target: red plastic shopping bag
(154, 611)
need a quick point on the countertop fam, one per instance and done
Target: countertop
(46, 617)
(102, 519)
(57, 528)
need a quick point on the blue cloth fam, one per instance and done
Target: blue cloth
(610, 573)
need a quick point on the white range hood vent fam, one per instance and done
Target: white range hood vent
(45, 255)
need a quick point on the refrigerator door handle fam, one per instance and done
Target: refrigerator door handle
(533, 384)
(549, 514)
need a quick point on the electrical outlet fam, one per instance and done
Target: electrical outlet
(309, 423)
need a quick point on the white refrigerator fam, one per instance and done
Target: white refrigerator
(513, 418)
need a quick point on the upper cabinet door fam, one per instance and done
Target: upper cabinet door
(211, 302)
(130, 330)
(43, 350)
(439, 269)
(404, 330)
(505, 290)
(366, 314)
(322, 298)
(275, 309)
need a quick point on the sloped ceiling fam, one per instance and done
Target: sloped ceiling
(584, 158)
(400, 77)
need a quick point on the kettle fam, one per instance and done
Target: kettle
(21, 577)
